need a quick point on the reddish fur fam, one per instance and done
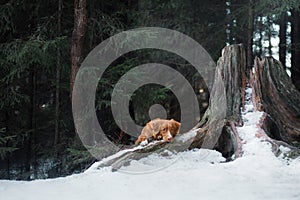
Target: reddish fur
(159, 129)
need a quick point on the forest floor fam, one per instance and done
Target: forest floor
(196, 174)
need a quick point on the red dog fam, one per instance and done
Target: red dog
(159, 129)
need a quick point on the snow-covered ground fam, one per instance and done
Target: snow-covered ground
(197, 174)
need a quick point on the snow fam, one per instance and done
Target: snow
(187, 136)
(195, 174)
(144, 143)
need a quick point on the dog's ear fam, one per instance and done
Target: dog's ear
(175, 126)
(175, 122)
(154, 127)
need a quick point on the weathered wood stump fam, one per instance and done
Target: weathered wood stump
(274, 93)
(230, 76)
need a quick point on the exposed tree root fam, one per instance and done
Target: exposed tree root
(239, 149)
(293, 151)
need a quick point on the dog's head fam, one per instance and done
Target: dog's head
(167, 129)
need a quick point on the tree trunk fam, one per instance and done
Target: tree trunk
(250, 35)
(274, 93)
(33, 121)
(31, 140)
(260, 44)
(80, 26)
(269, 22)
(8, 132)
(216, 130)
(58, 69)
(295, 32)
(282, 39)
(28, 160)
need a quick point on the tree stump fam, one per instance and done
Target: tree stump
(274, 93)
(230, 75)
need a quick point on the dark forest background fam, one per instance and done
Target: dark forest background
(37, 136)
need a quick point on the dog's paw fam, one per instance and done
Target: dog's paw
(144, 143)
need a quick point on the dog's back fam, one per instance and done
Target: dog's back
(159, 129)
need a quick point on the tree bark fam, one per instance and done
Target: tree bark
(80, 26)
(274, 93)
(295, 60)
